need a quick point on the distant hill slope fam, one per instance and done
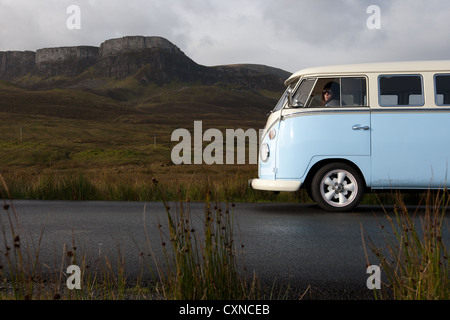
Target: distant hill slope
(264, 69)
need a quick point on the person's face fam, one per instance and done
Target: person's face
(327, 95)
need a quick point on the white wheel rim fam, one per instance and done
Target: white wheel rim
(339, 188)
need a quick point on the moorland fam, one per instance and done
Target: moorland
(87, 123)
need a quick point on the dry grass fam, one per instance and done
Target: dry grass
(414, 257)
(200, 261)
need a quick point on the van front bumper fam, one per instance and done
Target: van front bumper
(275, 185)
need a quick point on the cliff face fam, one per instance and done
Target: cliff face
(153, 59)
(116, 47)
(149, 59)
(68, 61)
(15, 64)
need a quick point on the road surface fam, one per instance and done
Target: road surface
(295, 244)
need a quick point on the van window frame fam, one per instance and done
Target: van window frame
(402, 106)
(340, 77)
(435, 90)
(297, 87)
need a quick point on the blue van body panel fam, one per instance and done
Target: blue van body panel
(266, 170)
(309, 135)
(410, 149)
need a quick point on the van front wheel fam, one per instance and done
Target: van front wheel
(337, 187)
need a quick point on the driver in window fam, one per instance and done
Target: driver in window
(330, 95)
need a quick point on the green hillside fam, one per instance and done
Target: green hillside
(56, 135)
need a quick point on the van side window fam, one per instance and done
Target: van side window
(442, 89)
(400, 90)
(339, 92)
(353, 92)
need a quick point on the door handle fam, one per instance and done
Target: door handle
(359, 127)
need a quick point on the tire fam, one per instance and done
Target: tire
(337, 187)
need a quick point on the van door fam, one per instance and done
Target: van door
(331, 134)
(338, 129)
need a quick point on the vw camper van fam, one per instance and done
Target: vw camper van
(339, 131)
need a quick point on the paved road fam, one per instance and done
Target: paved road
(286, 243)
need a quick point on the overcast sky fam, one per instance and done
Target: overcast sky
(287, 34)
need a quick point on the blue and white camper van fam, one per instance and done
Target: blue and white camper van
(339, 131)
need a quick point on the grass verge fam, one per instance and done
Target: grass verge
(200, 261)
(414, 256)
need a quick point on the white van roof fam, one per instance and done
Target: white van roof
(388, 67)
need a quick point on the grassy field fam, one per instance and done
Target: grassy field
(75, 144)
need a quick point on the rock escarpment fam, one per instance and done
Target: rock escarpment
(116, 47)
(15, 64)
(154, 59)
(67, 61)
(148, 59)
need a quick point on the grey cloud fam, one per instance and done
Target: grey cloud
(288, 34)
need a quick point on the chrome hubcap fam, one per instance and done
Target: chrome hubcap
(338, 188)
